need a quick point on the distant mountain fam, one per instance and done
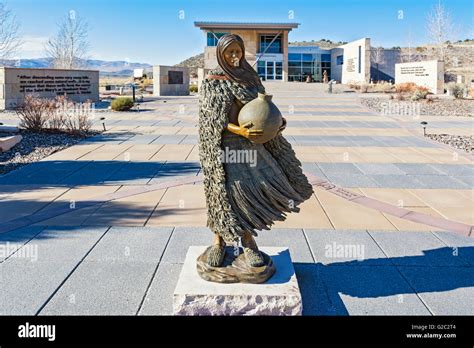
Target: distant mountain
(106, 68)
(193, 63)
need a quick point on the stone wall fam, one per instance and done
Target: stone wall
(356, 67)
(170, 80)
(429, 73)
(77, 85)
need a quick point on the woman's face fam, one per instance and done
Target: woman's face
(233, 54)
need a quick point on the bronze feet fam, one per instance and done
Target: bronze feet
(215, 255)
(253, 256)
(248, 265)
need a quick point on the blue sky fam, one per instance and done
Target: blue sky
(151, 31)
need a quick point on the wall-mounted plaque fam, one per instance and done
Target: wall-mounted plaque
(175, 77)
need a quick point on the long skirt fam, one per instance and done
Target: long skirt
(259, 192)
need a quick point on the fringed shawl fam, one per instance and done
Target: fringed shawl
(215, 101)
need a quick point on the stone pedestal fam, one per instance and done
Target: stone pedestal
(280, 295)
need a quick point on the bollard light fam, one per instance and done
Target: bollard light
(102, 119)
(424, 124)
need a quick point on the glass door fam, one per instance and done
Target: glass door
(270, 70)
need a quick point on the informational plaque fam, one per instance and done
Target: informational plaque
(350, 65)
(175, 77)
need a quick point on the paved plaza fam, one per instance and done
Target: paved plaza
(103, 227)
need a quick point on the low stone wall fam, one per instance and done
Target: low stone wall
(170, 80)
(77, 85)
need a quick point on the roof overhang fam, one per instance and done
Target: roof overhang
(248, 26)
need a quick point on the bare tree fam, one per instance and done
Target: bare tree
(377, 58)
(69, 47)
(440, 29)
(10, 40)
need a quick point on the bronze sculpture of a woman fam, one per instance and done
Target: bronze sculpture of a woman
(242, 198)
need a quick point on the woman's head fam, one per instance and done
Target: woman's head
(231, 58)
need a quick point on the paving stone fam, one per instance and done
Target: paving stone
(439, 182)
(351, 180)
(397, 181)
(174, 170)
(312, 168)
(313, 291)
(184, 237)
(417, 168)
(11, 242)
(134, 244)
(159, 299)
(115, 275)
(416, 249)
(463, 246)
(338, 168)
(375, 290)
(293, 238)
(138, 173)
(454, 169)
(467, 180)
(345, 248)
(445, 290)
(102, 288)
(379, 168)
(27, 285)
(93, 173)
(169, 139)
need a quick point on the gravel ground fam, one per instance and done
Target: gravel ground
(439, 107)
(33, 147)
(460, 142)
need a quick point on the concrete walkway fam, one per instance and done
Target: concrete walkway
(386, 232)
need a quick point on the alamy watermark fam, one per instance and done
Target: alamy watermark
(344, 251)
(401, 109)
(238, 156)
(16, 250)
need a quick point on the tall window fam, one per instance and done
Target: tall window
(275, 47)
(301, 65)
(212, 40)
(360, 62)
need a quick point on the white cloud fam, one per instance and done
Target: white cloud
(33, 47)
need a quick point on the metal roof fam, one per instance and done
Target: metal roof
(245, 25)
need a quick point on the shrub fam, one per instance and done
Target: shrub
(122, 104)
(471, 92)
(364, 88)
(458, 90)
(34, 112)
(406, 87)
(383, 87)
(420, 93)
(193, 89)
(58, 114)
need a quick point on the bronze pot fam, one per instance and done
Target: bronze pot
(264, 115)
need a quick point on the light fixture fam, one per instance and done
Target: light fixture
(424, 124)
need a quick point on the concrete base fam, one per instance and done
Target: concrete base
(6, 143)
(280, 295)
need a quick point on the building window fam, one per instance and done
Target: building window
(276, 46)
(212, 40)
(301, 65)
(360, 60)
(325, 57)
(339, 60)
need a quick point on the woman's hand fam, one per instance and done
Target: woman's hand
(283, 126)
(245, 130)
